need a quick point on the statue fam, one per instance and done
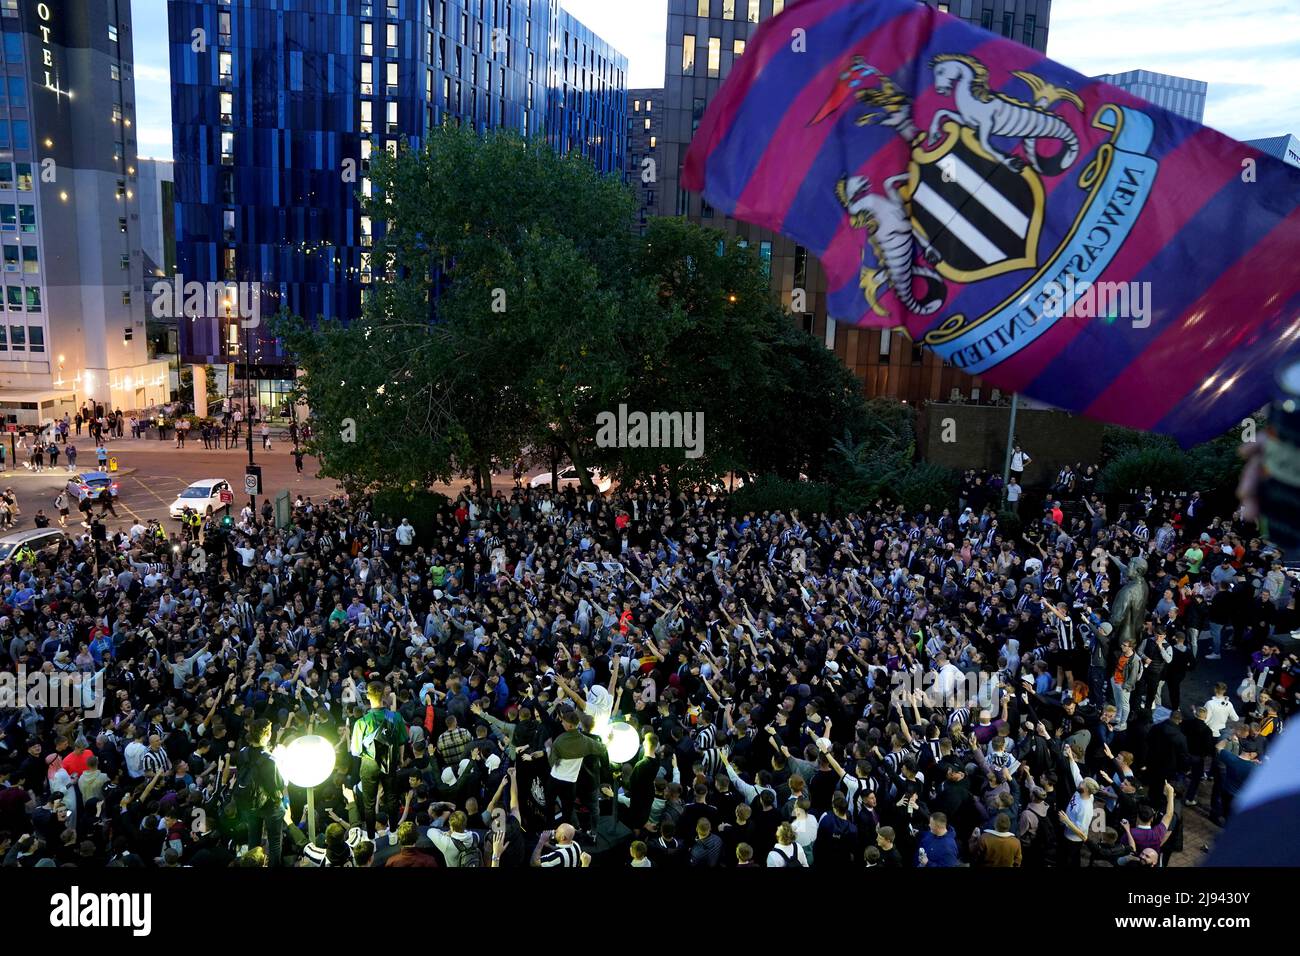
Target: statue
(1129, 611)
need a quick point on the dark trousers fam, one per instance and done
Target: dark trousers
(567, 794)
(1194, 777)
(372, 780)
(273, 829)
(1071, 853)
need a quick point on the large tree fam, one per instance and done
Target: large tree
(510, 305)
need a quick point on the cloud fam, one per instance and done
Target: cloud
(1249, 54)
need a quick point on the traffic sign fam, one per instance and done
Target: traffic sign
(251, 484)
(227, 496)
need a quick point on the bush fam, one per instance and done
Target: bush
(770, 493)
(1164, 469)
(1010, 525)
(926, 484)
(421, 508)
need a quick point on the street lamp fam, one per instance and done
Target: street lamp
(623, 742)
(306, 762)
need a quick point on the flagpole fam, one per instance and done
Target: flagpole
(1011, 435)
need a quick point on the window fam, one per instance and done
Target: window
(636, 106)
(391, 35)
(126, 296)
(715, 56)
(121, 225)
(11, 259)
(33, 298)
(223, 27)
(697, 113)
(227, 101)
(917, 353)
(392, 116)
(765, 258)
(114, 73)
(6, 176)
(14, 302)
(777, 6)
(728, 9)
(225, 66)
(31, 261)
(986, 19)
(753, 11)
(943, 7)
(649, 105)
(8, 217)
(9, 9)
(738, 48)
(126, 261)
(35, 333)
(1008, 23)
(647, 123)
(27, 219)
(367, 39)
(367, 116)
(14, 47)
(4, 337)
(227, 149)
(702, 8)
(884, 343)
(391, 79)
(112, 33)
(653, 142)
(1031, 23)
(688, 54)
(800, 267)
(367, 78)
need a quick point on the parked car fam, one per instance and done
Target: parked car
(200, 496)
(569, 477)
(45, 542)
(90, 484)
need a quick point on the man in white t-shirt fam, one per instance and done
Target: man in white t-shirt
(1019, 458)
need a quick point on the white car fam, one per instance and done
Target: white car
(200, 496)
(569, 478)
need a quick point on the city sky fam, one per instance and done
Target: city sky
(1248, 53)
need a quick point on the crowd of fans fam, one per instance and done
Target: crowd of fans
(879, 689)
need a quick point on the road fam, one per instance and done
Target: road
(153, 473)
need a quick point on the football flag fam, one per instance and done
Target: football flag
(1055, 235)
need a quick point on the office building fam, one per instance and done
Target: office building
(705, 38)
(1285, 147)
(1178, 94)
(276, 116)
(157, 190)
(74, 321)
(644, 129)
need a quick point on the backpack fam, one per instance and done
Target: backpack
(248, 792)
(792, 859)
(377, 743)
(468, 853)
(1043, 843)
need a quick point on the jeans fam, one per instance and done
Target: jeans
(273, 827)
(1121, 697)
(371, 781)
(1216, 634)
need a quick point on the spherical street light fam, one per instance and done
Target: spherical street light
(306, 762)
(623, 742)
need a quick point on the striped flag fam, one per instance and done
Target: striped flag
(1057, 236)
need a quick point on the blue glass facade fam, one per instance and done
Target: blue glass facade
(277, 106)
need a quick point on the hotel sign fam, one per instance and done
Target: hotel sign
(45, 24)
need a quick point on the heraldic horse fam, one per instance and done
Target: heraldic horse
(989, 113)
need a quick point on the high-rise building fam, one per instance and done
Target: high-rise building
(157, 190)
(644, 129)
(277, 109)
(705, 37)
(1285, 147)
(1178, 94)
(73, 328)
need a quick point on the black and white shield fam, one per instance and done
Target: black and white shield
(982, 217)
